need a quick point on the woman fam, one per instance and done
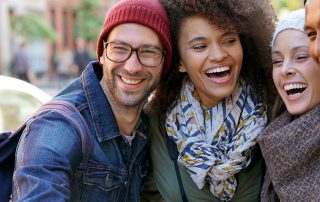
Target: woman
(212, 104)
(290, 144)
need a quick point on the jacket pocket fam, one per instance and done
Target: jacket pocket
(105, 178)
(143, 170)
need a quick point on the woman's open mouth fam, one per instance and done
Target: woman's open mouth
(295, 89)
(220, 73)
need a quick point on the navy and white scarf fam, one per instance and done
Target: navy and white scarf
(215, 144)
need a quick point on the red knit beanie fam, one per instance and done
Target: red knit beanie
(149, 13)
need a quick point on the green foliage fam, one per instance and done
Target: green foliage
(88, 21)
(286, 5)
(32, 27)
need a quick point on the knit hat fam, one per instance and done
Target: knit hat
(294, 20)
(149, 13)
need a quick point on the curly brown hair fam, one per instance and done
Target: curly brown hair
(254, 22)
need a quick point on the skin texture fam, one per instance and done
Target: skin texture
(312, 27)
(129, 83)
(205, 49)
(292, 64)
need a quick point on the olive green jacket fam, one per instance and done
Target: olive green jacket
(163, 175)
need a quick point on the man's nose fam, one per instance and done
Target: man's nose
(133, 65)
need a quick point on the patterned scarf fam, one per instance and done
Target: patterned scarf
(216, 143)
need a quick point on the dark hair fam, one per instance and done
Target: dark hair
(278, 108)
(252, 19)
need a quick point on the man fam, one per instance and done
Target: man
(134, 52)
(20, 63)
(312, 27)
(81, 57)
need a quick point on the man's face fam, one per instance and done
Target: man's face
(129, 83)
(312, 27)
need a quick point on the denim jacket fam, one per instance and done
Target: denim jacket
(49, 152)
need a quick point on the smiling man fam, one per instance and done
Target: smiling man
(134, 53)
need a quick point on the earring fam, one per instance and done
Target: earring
(180, 68)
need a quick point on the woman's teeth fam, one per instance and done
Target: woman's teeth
(218, 70)
(294, 86)
(295, 89)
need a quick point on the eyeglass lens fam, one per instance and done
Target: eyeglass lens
(147, 55)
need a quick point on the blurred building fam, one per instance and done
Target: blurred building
(46, 57)
(4, 35)
(61, 15)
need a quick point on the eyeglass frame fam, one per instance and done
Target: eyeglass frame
(164, 52)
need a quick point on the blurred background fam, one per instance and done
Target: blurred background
(282, 7)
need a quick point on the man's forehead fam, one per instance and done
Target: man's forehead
(127, 32)
(312, 9)
(312, 4)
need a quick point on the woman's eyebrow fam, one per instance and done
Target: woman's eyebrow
(200, 38)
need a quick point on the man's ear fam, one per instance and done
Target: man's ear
(101, 59)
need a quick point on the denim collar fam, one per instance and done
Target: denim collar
(102, 115)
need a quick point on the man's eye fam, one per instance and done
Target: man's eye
(120, 48)
(311, 35)
(148, 51)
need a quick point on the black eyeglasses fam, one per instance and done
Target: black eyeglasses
(148, 56)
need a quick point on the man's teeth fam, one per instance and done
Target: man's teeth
(294, 86)
(218, 70)
(131, 81)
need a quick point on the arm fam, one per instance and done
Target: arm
(48, 153)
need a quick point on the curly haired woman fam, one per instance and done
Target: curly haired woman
(212, 105)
